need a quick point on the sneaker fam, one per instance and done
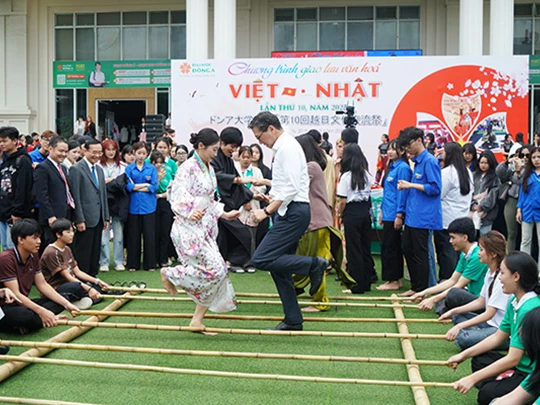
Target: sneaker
(120, 267)
(83, 303)
(236, 269)
(104, 268)
(250, 269)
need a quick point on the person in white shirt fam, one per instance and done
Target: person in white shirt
(97, 77)
(290, 203)
(354, 192)
(469, 326)
(456, 197)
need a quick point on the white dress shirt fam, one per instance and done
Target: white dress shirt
(290, 179)
(90, 166)
(454, 204)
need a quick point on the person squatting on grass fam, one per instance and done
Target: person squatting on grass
(496, 374)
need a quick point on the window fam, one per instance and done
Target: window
(527, 29)
(131, 35)
(346, 28)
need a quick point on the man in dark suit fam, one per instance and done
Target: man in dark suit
(52, 189)
(91, 215)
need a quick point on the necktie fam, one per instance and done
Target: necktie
(70, 200)
(95, 176)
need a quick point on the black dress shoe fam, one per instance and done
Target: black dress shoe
(316, 275)
(5, 349)
(286, 326)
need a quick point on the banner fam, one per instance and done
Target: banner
(111, 74)
(336, 54)
(463, 99)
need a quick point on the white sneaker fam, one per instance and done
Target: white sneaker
(104, 268)
(120, 267)
(83, 303)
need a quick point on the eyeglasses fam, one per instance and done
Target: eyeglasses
(524, 155)
(258, 136)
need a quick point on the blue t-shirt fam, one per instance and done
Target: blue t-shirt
(36, 156)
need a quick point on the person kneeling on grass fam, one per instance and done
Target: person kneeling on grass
(19, 271)
(62, 272)
(469, 272)
(495, 374)
(470, 327)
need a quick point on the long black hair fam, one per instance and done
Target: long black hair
(530, 338)
(312, 151)
(471, 149)
(492, 162)
(529, 167)
(454, 157)
(354, 161)
(260, 163)
(398, 147)
(523, 264)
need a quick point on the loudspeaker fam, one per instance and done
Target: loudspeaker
(155, 127)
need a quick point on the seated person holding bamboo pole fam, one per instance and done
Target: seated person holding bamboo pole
(469, 326)
(496, 374)
(19, 271)
(62, 272)
(469, 272)
(8, 297)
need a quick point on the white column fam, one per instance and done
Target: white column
(471, 19)
(197, 29)
(501, 28)
(224, 29)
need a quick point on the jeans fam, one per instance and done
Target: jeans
(118, 244)
(470, 336)
(432, 280)
(485, 229)
(5, 236)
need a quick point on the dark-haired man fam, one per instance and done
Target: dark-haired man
(91, 214)
(291, 215)
(234, 238)
(52, 188)
(19, 271)
(424, 211)
(469, 272)
(39, 155)
(16, 180)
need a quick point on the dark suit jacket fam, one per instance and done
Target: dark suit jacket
(50, 191)
(90, 200)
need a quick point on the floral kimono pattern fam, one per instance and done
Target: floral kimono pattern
(202, 272)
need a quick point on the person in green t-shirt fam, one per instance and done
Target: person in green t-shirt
(469, 272)
(495, 374)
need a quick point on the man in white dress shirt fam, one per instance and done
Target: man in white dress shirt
(290, 203)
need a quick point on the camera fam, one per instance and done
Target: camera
(349, 120)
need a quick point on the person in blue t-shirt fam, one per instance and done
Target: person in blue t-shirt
(423, 212)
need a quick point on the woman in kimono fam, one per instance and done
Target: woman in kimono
(202, 272)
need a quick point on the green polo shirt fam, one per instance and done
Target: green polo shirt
(470, 267)
(512, 322)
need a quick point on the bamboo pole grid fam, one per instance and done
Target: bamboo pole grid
(61, 342)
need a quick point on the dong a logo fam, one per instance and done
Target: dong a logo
(466, 104)
(185, 68)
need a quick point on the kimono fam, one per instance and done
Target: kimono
(202, 272)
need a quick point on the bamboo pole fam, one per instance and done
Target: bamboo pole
(257, 295)
(211, 373)
(32, 401)
(8, 369)
(255, 317)
(419, 391)
(204, 353)
(175, 328)
(259, 302)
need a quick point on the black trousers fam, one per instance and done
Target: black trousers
(357, 224)
(277, 254)
(17, 316)
(456, 297)
(87, 248)
(415, 248)
(144, 225)
(490, 389)
(447, 257)
(391, 252)
(234, 241)
(164, 220)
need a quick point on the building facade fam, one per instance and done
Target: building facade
(36, 33)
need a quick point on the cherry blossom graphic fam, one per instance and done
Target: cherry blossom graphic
(185, 68)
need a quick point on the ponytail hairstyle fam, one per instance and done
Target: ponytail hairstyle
(206, 136)
(523, 264)
(530, 337)
(494, 243)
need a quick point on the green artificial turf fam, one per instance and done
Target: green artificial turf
(120, 387)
